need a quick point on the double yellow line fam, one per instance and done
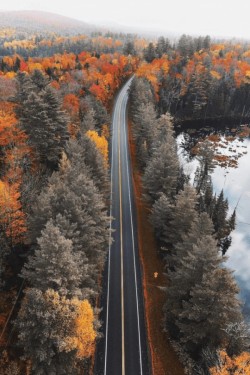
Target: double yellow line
(121, 242)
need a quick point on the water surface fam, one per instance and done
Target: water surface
(236, 185)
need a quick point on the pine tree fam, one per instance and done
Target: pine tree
(144, 130)
(55, 265)
(161, 216)
(24, 87)
(202, 298)
(49, 327)
(161, 173)
(83, 154)
(162, 46)
(40, 116)
(149, 53)
(39, 80)
(73, 195)
(184, 214)
(88, 122)
(212, 306)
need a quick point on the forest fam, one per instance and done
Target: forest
(56, 98)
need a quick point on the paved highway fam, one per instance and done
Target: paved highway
(123, 349)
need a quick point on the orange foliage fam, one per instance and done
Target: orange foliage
(232, 366)
(153, 70)
(85, 334)
(12, 219)
(101, 143)
(71, 103)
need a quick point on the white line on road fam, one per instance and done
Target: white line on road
(133, 242)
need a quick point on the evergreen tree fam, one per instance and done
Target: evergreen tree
(24, 87)
(39, 80)
(41, 117)
(47, 333)
(162, 46)
(161, 216)
(212, 306)
(129, 48)
(184, 214)
(55, 265)
(144, 130)
(85, 150)
(88, 122)
(73, 195)
(162, 170)
(149, 53)
(202, 297)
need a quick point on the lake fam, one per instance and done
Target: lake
(235, 181)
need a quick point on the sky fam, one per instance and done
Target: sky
(202, 17)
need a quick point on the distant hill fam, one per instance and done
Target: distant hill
(37, 21)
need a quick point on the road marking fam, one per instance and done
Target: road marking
(109, 251)
(133, 242)
(121, 242)
(117, 117)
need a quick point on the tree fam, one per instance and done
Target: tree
(8, 367)
(101, 144)
(101, 115)
(162, 46)
(12, 219)
(41, 117)
(160, 216)
(212, 306)
(85, 150)
(129, 48)
(183, 215)
(202, 298)
(72, 193)
(231, 366)
(88, 122)
(149, 53)
(55, 331)
(39, 80)
(162, 170)
(144, 130)
(55, 264)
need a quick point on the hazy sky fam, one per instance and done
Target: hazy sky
(214, 17)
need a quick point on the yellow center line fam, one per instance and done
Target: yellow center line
(121, 239)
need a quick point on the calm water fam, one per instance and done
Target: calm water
(236, 185)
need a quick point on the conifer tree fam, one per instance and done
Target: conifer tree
(162, 170)
(55, 332)
(55, 265)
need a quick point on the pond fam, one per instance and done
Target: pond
(233, 176)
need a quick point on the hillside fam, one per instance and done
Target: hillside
(37, 21)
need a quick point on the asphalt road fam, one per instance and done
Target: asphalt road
(123, 348)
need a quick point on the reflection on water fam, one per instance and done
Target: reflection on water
(236, 185)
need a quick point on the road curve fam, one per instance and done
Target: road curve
(123, 348)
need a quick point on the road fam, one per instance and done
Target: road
(123, 349)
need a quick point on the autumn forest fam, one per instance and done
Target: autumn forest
(57, 94)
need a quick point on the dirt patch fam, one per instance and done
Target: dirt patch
(164, 359)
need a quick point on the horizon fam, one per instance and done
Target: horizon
(196, 18)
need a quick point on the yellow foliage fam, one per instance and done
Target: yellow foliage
(101, 143)
(215, 74)
(85, 333)
(105, 131)
(228, 366)
(10, 74)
